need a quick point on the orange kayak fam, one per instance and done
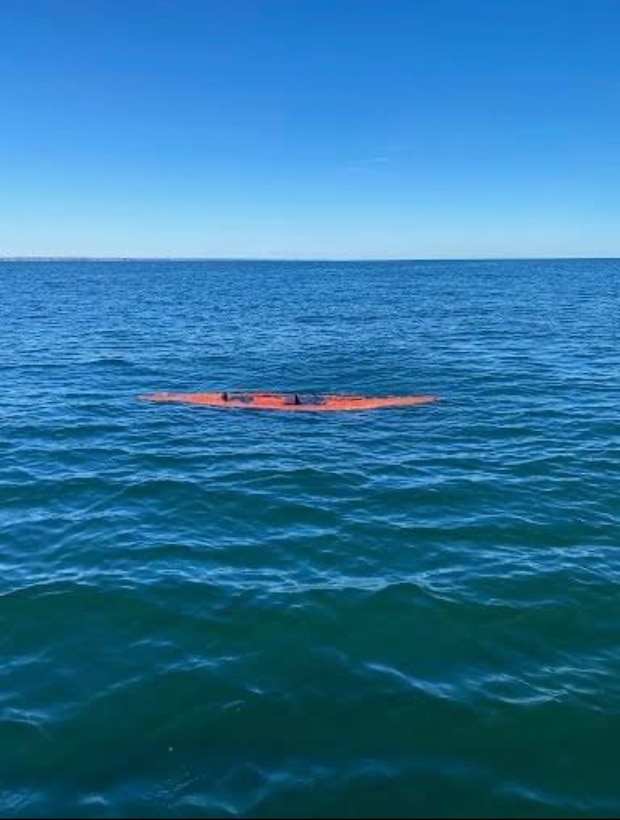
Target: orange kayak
(289, 401)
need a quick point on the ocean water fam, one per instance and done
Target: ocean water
(397, 613)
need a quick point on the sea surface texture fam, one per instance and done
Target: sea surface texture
(233, 613)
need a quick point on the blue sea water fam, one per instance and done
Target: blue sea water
(398, 613)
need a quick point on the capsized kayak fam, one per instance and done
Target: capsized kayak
(289, 401)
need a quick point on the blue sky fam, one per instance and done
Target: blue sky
(310, 128)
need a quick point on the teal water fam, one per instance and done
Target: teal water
(225, 613)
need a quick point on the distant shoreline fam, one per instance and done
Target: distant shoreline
(308, 260)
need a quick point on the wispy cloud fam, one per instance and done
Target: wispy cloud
(385, 156)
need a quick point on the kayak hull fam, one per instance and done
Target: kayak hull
(287, 402)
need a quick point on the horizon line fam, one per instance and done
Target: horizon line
(95, 258)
